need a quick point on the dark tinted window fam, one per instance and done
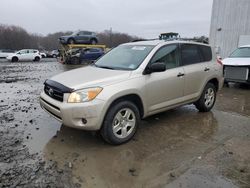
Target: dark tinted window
(190, 54)
(167, 55)
(206, 53)
(86, 33)
(94, 50)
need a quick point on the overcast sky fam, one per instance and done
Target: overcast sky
(143, 18)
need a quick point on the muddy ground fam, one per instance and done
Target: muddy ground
(178, 148)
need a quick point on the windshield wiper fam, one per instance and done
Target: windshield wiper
(104, 67)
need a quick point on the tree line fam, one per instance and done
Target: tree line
(16, 38)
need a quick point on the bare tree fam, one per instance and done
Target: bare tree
(14, 37)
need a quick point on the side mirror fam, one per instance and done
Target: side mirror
(155, 67)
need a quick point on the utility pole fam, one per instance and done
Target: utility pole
(110, 37)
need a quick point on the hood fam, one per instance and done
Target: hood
(236, 61)
(10, 55)
(90, 77)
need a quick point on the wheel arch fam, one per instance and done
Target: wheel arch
(71, 38)
(214, 81)
(95, 39)
(37, 58)
(134, 98)
(15, 57)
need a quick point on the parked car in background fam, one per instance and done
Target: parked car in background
(25, 55)
(53, 53)
(91, 54)
(131, 82)
(237, 66)
(43, 54)
(85, 55)
(80, 37)
(5, 53)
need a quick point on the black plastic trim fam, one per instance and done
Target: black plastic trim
(55, 85)
(50, 104)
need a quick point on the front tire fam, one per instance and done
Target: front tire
(74, 60)
(207, 99)
(14, 59)
(37, 58)
(93, 41)
(120, 123)
(71, 41)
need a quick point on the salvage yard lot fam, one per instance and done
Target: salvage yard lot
(180, 147)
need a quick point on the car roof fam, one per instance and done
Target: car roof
(163, 42)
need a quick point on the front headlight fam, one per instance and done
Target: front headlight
(84, 95)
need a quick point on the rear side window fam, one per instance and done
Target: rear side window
(87, 33)
(94, 50)
(206, 53)
(190, 54)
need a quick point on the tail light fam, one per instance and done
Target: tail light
(219, 60)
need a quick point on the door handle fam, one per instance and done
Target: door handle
(206, 69)
(180, 74)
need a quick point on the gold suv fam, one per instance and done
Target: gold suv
(131, 82)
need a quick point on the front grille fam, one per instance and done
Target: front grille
(58, 117)
(56, 90)
(53, 93)
(50, 104)
(236, 73)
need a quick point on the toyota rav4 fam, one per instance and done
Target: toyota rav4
(131, 82)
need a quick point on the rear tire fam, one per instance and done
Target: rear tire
(37, 58)
(207, 99)
(226, 84)
(14, 59)
(93, 41)
(120, 123)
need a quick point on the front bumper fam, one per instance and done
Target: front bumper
(86, 116)
(239, 74)
(8, 58)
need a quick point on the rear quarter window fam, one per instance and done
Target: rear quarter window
(206, 53)
(194, 53)
(190, 54)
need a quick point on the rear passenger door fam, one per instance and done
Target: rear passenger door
(23, 55)
(164, 89)
(194, 68)
(84, 36)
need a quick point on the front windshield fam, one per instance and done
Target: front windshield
(241, 52)
(75, 33)
(124, 57)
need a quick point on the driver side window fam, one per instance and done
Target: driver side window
(23, 52)
(168, 55)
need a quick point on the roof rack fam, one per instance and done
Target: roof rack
(202, 39)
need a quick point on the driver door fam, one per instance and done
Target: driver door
(164, 89)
